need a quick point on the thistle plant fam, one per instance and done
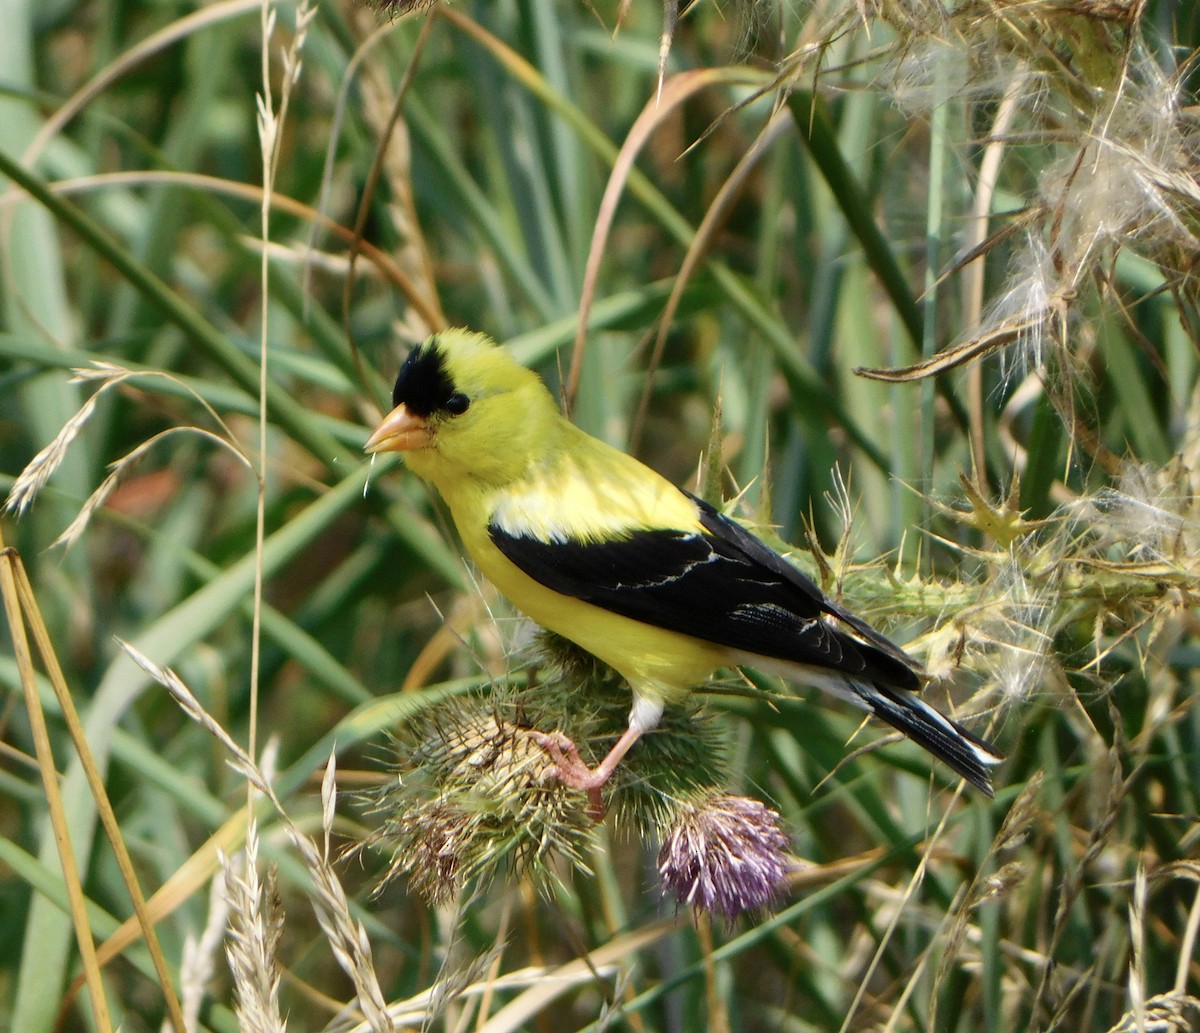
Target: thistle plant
(725, 854)
(1090, 127)
(472, 794)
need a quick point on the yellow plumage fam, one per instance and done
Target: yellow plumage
(521, 465)
(594, 545)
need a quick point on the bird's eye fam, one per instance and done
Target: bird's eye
(457, 404)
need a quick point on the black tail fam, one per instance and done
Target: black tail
(947, 740)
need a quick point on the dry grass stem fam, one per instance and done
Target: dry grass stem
(346, 936)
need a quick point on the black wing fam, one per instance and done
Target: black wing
(723, 586)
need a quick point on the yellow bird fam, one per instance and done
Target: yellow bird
(597, 547)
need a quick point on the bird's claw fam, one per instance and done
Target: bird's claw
(571, 771)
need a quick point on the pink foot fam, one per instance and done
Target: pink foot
(572, 771)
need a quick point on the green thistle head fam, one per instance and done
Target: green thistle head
(475, 793)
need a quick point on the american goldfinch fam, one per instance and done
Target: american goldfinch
(597, 547)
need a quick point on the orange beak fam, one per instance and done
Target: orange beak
(400, 431)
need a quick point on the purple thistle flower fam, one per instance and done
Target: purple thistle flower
(724, 854)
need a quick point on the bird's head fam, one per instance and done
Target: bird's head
(465, 411)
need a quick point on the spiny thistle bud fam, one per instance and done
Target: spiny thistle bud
(475, 792)
(439, 836)
(724, 854)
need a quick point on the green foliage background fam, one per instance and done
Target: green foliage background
(817, 183)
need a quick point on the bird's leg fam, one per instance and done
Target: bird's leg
(575, 774)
